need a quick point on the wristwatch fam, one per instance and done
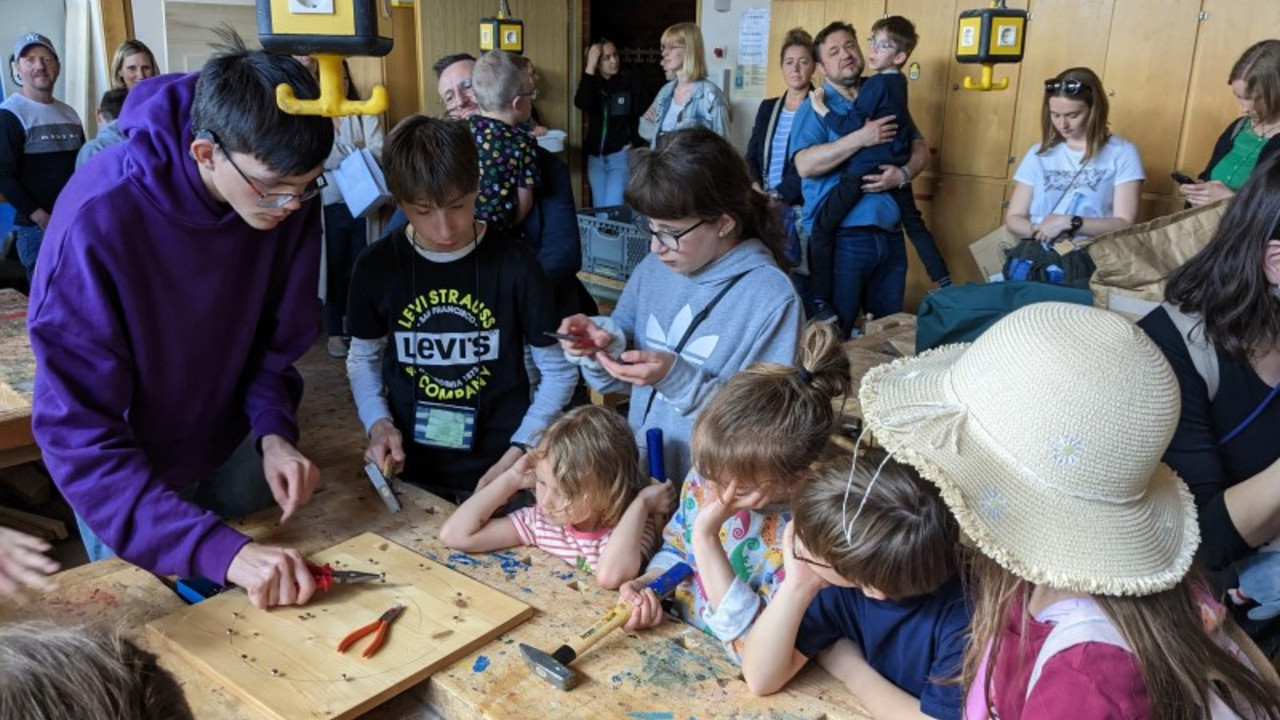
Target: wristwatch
(1076, 223)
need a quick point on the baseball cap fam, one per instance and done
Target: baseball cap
(26, 40)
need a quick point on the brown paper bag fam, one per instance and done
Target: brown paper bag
(1133, 263)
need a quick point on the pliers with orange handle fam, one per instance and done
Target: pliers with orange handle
(380, 625)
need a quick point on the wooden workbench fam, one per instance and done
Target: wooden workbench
(671, 672)
(17, 374)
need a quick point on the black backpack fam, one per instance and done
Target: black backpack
(1032, 260)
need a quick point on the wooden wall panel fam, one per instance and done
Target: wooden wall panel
(1142, 76)
(964, 210)
(936, 25)
(1229, 27)
(1049, 51)
(808, 14)
(858, 13)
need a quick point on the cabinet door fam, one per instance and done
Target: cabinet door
(1145, 81)
(784, 15)
(861, 14)
(1060, 35)
(935, 24)
(975, 135)
(965, 209)
(1228, 29)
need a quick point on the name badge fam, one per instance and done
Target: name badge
(444, 426)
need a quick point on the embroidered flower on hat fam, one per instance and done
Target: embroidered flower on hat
(992, 503)
(1068, 450)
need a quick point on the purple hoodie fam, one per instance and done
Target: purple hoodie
(165, 329)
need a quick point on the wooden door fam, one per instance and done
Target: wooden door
(1144, 79)
(935, 24)
(784, 15)
(965, 209)
(1229, 27)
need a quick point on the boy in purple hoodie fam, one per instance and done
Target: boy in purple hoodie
(176, 291)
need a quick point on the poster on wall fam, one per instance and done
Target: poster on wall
(753, 53)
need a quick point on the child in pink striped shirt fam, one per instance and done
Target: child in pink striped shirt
(595, 507)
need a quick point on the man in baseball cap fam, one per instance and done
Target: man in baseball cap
(39, 139)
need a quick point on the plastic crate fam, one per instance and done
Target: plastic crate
(612, 245)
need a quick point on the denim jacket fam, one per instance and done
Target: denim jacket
(706, 107)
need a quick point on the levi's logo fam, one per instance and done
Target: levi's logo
(448, 348)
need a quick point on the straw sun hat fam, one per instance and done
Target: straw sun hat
(1045, 437)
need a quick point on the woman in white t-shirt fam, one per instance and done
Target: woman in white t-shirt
(1080, 180)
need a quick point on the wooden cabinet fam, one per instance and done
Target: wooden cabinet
(965, 209)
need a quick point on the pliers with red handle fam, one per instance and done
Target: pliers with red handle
(380, 625)
(326, 576)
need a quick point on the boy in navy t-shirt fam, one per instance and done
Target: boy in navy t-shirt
(871, 590)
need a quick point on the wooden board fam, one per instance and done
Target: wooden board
(284, 662)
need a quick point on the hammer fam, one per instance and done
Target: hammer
(554, 667)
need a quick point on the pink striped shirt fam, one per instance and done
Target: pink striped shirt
(578, 548)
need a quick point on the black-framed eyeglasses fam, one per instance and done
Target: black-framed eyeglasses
(266, 199)
(1070, 86)
(667, 238)
(809, 561)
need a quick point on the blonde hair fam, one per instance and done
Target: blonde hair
(1176, 656)
(126, 49)
(905, 541)
(769, 422)
(1093, 96)
(1259, 68)
(498, 78)
(695, 61)
(82, 673)
(594, 459)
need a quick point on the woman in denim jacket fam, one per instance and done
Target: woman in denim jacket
(689, 99)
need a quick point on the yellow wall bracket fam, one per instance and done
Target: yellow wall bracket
(333, 101)
(987, 82)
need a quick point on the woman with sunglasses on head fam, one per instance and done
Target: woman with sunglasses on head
(1079, 180)
(709, 300)
(1248, 140)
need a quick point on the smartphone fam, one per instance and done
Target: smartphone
(569, 337)
(1182, 178)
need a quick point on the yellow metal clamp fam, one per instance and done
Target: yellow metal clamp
(333, 100)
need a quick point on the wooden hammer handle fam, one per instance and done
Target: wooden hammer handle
(614, 619)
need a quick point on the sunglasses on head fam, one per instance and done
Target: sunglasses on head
(1066, 87)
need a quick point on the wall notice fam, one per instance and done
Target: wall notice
(753, 53)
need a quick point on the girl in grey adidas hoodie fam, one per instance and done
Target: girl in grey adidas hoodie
(709, 300)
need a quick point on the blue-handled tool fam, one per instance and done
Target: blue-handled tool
(554, 667)
(657, 463)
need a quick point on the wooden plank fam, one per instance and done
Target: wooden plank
(27, 483)
(48, 527)
(284, 662)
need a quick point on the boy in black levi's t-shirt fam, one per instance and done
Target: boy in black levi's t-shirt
(440, 311)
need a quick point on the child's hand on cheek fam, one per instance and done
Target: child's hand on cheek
(519, 476)
(727, 502)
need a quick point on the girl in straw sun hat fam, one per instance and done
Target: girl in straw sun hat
(1050, 462)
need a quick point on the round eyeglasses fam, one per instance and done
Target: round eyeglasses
(266, 199)
(669, 239)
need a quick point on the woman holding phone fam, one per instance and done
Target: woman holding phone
(709, 299)
(1248, 140)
